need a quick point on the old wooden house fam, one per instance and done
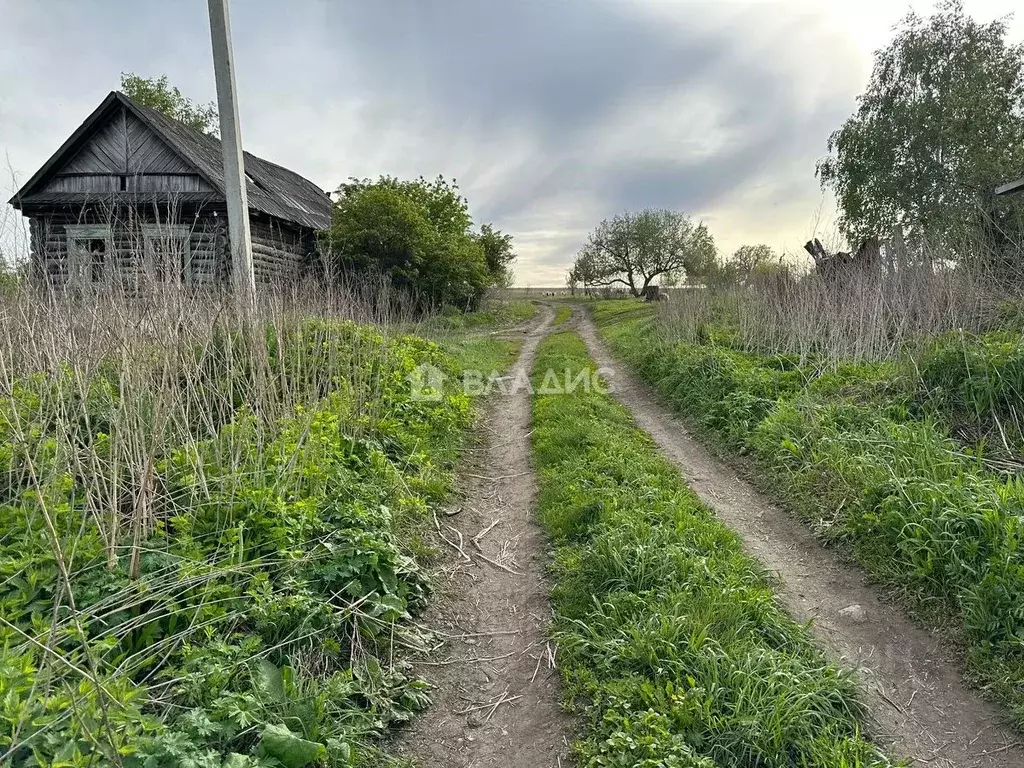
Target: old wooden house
(135, 197)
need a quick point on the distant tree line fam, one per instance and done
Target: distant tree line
(633, 251)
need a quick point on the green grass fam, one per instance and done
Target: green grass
(877, 457)
(497, 314)
(515, 311)
(562, 314)
(262, 626)
(468, 337)
(673, 648)
(481, 353)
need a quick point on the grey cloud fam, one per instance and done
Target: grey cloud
(559, 69)
(558, 65)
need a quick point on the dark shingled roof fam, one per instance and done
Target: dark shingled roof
(271, 189)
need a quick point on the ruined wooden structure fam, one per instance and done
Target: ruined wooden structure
(135, 197)
(866, 260)
(654, 293)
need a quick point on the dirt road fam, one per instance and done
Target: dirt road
(496, 691)
(914, 686)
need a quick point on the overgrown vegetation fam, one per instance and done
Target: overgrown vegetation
(671, 642)
(827, 319)
(418, 233)
(911, 460)
(157, 93)
(209, 549)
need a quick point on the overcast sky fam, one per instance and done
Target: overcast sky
(551, 114)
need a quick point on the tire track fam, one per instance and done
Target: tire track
(496, 697)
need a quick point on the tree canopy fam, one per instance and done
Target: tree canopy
(159, 94)
(498, 252)
(419, 233)
(747, 263)
(633, 249)
(939, 126)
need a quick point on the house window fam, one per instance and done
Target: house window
(97, 250)
(169, 253)
(90, 253)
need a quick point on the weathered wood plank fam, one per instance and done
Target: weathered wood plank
(125, 146)
(105, 152)
(147, 153)
(153, 182)
(95, 183)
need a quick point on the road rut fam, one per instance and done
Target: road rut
(496, 698)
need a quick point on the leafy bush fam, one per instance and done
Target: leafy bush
(671, 642)
(418, 233)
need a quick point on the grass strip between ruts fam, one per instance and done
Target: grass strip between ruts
(672, 645)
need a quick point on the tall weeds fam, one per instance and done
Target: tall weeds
(859, 315)
(200, 522)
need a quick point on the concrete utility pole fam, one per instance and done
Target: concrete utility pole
(231, 143)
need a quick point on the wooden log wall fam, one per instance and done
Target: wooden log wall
(127, 258)
(280, 252)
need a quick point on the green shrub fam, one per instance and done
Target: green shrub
(275, 581)
(977, 383)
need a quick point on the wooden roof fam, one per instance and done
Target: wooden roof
(271, 189)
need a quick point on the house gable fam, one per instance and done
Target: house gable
(114, 151)
(123, 144)
(124, 147)
(123, 154)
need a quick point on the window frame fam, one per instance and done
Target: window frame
(156, 232)
(81, 273)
